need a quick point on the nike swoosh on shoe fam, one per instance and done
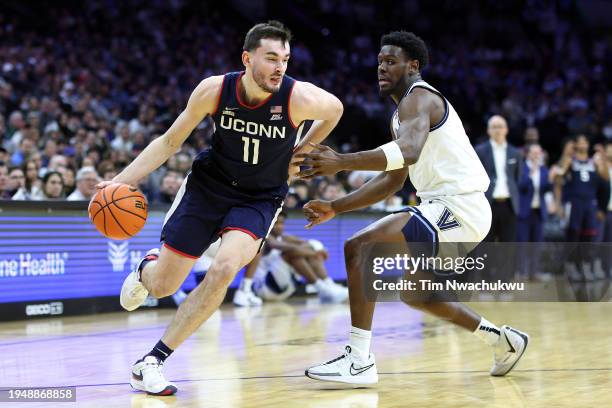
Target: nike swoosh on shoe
(358, 371)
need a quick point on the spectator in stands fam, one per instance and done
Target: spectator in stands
(4, 182)
(14, 131)
(122, 141)
(68, 177)
(333, 191)
(170, 185)
(52, 187)
(50, 150)
(32, 183)
(4, 156)
(86, 180)
(16, 180)
(25, 150)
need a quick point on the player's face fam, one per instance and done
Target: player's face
(394, 69)
(268, 64)
(582, 145)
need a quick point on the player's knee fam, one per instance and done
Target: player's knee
(352, 245)
(353, 248)
(223, 271)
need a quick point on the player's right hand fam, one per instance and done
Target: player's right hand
(103, 184)
(318, 212)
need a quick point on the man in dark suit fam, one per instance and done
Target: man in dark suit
(502, 162)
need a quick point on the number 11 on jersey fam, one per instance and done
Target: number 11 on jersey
(245, 156)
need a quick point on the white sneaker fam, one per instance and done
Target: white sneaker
(509, 350)
(246, 298)
(348, 368)
(147, 376)
(133, 293)
(333, 293)
(311, 289)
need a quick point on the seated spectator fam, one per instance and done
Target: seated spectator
(285, 255)
(170, 185)
(56, 162)
(52, 187)
(333, 191)
(4, 156)
(25, 150)
(4, 182)
(69, 179)
(86, 180)
(122, 141)
(31, 185)
(16, 180)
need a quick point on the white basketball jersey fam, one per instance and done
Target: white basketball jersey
(448, 164)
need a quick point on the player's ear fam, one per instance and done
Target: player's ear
(414, 66)
(246, 58)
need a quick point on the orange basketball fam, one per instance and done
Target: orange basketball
(118, 211)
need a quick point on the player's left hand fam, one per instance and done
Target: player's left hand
(322, 161)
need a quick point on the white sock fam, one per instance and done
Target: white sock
(487, 332)
(329, 281)
(359, 340)
(247, 284)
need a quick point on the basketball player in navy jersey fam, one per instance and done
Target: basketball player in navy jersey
(583, 176)
(429, 139)
(235, 189)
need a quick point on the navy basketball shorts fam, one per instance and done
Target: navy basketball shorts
(582, 220)
(203, 211)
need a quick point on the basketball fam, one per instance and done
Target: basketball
(118, 211)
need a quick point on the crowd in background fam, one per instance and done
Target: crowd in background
(84, 88)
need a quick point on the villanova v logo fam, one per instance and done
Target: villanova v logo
(447, 220)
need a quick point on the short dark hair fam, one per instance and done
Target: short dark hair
(414, 47)
(272, 29)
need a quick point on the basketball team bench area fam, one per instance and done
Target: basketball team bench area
(63, 330)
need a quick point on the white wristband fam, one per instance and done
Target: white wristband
(393, 153)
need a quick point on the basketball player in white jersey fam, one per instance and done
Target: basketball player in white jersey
(429, 142)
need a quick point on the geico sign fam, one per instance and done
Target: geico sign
(53, 308)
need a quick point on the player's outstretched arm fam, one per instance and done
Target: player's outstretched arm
(414, 114)
(375, 190)
(202, 102)
(309, 102)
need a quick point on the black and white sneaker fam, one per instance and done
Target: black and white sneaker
(348, 368)
(147, 376)
(509, 349)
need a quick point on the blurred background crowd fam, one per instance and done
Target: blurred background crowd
(85, 86)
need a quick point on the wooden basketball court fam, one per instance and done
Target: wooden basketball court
(257, 357)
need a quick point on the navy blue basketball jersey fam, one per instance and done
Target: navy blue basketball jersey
(583, 180)
(252, 145)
